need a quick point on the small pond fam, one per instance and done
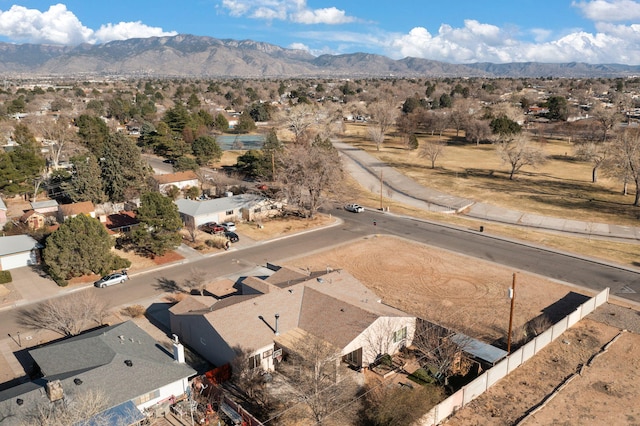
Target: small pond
(229, 142)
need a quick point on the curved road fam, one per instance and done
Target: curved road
(565, 267)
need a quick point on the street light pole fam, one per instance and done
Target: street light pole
(512, 295)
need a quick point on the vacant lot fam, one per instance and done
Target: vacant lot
(470, 295)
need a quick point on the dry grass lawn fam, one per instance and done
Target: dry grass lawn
(560, 186)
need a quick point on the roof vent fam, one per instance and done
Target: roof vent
(19, 401)
(77, 381)
(320, 280)
(128, 362)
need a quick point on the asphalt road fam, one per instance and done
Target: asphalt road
(559, 266)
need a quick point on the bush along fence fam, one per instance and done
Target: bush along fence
(490, 377)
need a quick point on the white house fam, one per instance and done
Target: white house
(233, 208)
(180, 180)
(122, 362)
(17, 251)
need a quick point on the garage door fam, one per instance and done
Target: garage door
(16, 261)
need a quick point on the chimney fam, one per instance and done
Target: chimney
(54, 390)
(178, 350)
(277, 331)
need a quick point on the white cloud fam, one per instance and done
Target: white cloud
(286, 10)
(126, 30)
(60, 26)
(609, 10)
(56, 25)
(476, 42)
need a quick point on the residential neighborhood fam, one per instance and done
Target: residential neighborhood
(248, 290)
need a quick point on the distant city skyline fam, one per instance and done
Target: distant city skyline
(465, 31)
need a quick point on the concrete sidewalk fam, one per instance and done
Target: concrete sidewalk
(369, 171)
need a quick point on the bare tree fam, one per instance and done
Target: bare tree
(519, 151)
(248, 377)
(62, 135)
(625, 160)
(606, 117)
(299, 120)
(477, 130)
(309, 176)
(317, 377)
(432, 150)
(595, 151)
(68, 316)
(437, 350)
(74, 409)
(384, 113)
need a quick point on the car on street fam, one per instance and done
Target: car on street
(212, 228)
(228, 226)
(232, 236)
(111, 279)
(355, 208)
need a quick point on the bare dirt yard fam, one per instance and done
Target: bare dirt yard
(471, 295)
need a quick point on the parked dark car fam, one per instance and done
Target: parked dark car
(232, 236)
(212, 228)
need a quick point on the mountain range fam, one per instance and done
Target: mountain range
(198, 56)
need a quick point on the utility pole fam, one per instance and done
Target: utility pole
(512, 295)
(380, 189)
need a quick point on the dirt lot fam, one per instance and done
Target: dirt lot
(470, 295)
(448, 288)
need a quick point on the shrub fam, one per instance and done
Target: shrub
(421, 376)
(133, 311)
(5, 277)
(218, 241)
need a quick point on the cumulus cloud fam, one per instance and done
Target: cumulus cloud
(609, 10)
(476, 42)
(126, 30)
(58, 25)
(286, 10)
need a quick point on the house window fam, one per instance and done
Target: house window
(147, 397)
(254, 361)
(258, 210)
(400, 335)
(229, 212)
(267, 354)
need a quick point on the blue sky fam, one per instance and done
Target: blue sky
(462, 31)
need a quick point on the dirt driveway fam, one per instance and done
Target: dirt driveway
(471, 295)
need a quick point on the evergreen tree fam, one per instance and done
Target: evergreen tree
(80, 246)
(159, 225)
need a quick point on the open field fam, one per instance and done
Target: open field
(558, 188)
(470, 296)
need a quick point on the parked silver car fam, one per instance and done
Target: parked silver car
(228, 226)
(111, 279)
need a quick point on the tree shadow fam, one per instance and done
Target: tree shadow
(167, 285)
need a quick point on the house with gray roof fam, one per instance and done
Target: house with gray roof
(267, 316)
(3, 213)
(17, 251)
(122, 363)
(233, 208)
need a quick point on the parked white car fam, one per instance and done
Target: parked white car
(228, 226)
(355, 208)
(111, 279)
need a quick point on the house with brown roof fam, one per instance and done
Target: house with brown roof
(180, 180)
(267, 316)
(66, 211)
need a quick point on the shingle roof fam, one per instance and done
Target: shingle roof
(44, 204)
(336, 307)
(84, 207)
(3, 206)
(97, 358)
(176, 177)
